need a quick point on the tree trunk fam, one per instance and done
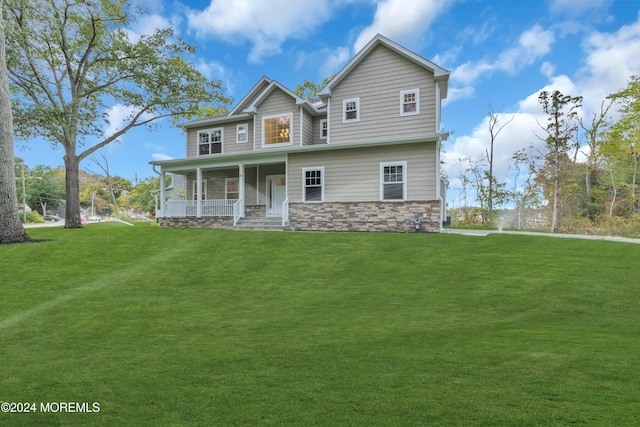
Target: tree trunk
(71, 164)
(11, 229)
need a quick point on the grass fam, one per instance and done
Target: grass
(215, 327)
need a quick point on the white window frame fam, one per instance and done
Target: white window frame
(416, 92)
(210, 132)
(246, 133)
(323, 123)
(226, 187)
(194, 185)
(304, 183)
(344, 110)
(276, 116)
(405, 178)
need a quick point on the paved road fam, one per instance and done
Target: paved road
(530, 233)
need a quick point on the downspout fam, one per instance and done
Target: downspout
(439, 184)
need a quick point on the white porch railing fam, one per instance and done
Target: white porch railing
(182, 208)
(237, 212)
(285, 211)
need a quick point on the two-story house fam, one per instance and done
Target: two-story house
(365, 156)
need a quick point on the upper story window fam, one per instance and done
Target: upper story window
(409, 102)
(313, 184)
(210, 141)
(276, 130)
(351, 110)
(324, 129)
(393, 181)
(242, 133)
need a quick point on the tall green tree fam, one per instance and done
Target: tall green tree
(561, 145)
(70, 61)
(625, 134)
(11, 229)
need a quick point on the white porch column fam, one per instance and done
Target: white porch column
(241, 188)
(198, 192)
(163, 203)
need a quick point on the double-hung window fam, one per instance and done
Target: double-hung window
(393, 181)
(324, 129)
(203, 190)
(210, 141)
(409, 102)
(276, 130)
(242, 133)
(351, 110)
(313, 184)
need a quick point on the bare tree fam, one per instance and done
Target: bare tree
(494, 131)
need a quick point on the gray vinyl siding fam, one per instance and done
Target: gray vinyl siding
(316, 130)
(215, 183)
(278, 103)
(353, 175)
(229, 144)
(307, 129)
(377, 81)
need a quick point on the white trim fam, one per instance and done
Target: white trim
(438, 108)
(417, 102)
(276, 116)
(273, 201)
(405, 179)
(246, 133)
(210, 132)
(194, 185)
(328, 121)
(344, 110)
(304, 183)
(254, 132)
(301, 122)
(324, 121)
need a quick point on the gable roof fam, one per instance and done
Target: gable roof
(252, 108)
(441, 75)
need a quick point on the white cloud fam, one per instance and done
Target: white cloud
(146, 25)
(456, 93)
(612, 58)
(118, 117)
(532, 44)
(402, 21)
(161, 156)
(265, 24)
(574, 7)
(335, 59)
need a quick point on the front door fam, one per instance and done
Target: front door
(276, 194)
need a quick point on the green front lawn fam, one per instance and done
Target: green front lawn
(218, 327)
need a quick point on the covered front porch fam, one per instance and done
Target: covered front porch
(221, 194)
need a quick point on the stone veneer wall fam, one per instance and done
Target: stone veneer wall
(365, 216)
(259, 211)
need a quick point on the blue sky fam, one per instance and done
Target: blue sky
(500, 54)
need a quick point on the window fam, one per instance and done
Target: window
(242, 133)
(210, 141)
(203, 190)
(351, 110)
(393, 181)
(276, 130)
(231, 189)
(323, 129)
(313, 184)
(409, 102)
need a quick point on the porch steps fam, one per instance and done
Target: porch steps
(257, 223)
